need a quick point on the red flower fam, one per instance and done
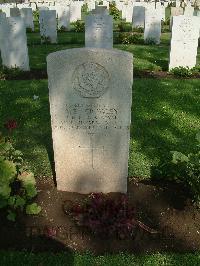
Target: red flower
(11, 124)
(50, 232)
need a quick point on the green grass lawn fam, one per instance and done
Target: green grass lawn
(146, 57)
(123, 259)
(165, 117)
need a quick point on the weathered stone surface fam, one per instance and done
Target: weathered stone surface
(184, 41)
(90, 94)
(99, 31)
(14, 51)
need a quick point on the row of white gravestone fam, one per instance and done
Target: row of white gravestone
(99, 28)
(99, 33)
(64, 13)
(25, 13)
(135, 12)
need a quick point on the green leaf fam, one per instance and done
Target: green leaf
(5, 191)
(31, 191)
(7, 170)
(3, 203)
(33, 209)
(198, 137)
(27, 178)
(11, 200)
(20, 202)
(16, 201)
(178, 157)
(11, 216)
(5, 146)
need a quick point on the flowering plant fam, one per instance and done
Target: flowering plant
(107, 217)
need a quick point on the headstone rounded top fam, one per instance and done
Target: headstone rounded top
(88, 50)
(91, 80)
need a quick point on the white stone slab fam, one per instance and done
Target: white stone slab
(101, 10)
(2, 17)
(63, 17)
(48, 25)
(189, 11)
(75, 11)
(27, 15)
(14, 51)
(152, 29)
(99, 31)
(138, 16)
(14, 12)
(90, 102)
(129, 13)
(184, 41)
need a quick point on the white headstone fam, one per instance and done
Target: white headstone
(2, 17)
(99, 31)
(14, 12)
(6, 10)
(152, 29)
(48, 25)
(90, 102)
(184, 41)
(189, 11)
(27, 15)
(14, 51)
(129, 13)
(175, 11)
(63, 17)
(75, 11)
(91, 5)
(138, 16)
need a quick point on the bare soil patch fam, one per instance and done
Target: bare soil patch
(163, 207)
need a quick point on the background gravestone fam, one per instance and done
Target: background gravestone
(14, 12)
(27, 15)
(152, 30)
(90, 94)
(48, 26)
(184, 41)
(63, 17)
(75, 11)
(138, 16)
(14, 51)
(175, 11)
(99, 30)
(2, 17)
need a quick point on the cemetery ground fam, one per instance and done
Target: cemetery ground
(165, 117)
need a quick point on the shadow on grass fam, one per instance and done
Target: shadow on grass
(165, 117)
